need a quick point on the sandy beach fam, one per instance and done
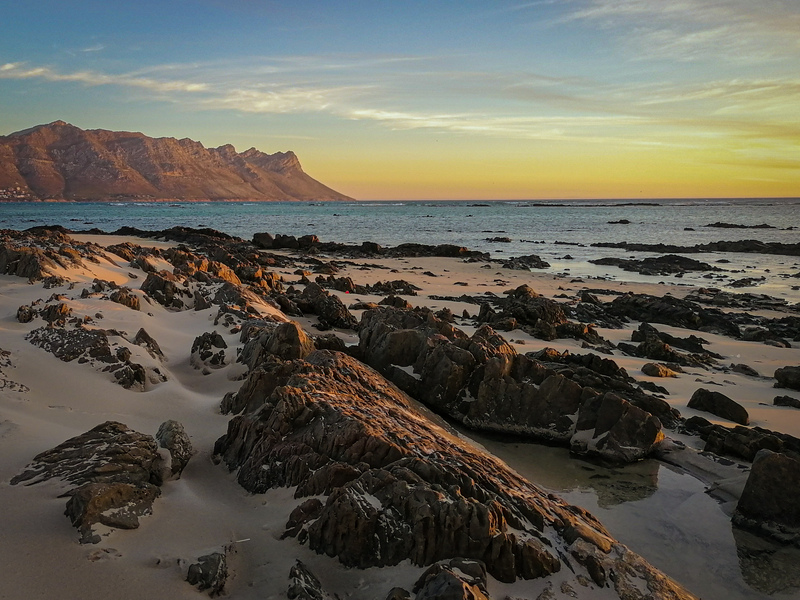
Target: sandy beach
(670, 520)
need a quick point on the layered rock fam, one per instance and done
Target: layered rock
(115, 472)
(400, 488)
(482, 382)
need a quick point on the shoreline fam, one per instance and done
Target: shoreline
(32, 422)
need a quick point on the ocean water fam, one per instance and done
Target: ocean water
(560, 232)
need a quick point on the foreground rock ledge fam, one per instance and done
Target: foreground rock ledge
(400, 487)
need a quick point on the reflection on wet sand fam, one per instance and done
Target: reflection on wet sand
(553, 468)
(766, 566)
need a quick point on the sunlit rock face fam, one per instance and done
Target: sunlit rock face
(397, 487)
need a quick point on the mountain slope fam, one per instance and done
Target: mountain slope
(61, 161)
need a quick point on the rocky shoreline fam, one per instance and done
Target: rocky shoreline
(338, 363)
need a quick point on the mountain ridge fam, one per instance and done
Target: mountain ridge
(59, 161)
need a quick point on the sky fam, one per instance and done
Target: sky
(438, 99)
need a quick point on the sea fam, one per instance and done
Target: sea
(561, 232)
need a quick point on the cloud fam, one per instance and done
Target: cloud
(95, 48)
(736, 30)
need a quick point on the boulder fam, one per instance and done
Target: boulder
(208, 350)
(719, 404)
(786, 401)
(210, 572)
(304, 585)
(124, 297)
(165, 288)
(788, 377)
(116, 473)
(172, 437)
(330, 311)
(147, 341)
(658, 370)
(288, 341)
(263, 240)
(768, 505)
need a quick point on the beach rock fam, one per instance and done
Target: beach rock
(263, 240)
(658, 370)
(525, 263)
(788, 377)
(786, 401)
(412, 491)
(210, 572)
(116, 473)
(660, 265)
(330, 311)
(456, 579)
(131, 375)
(25, 261)
(117, 505)
(208, 350)
(148, 342)
(56, 313)
(742, 442)
(70, 344)
(172, 437)
(286, 341)
(165, 288)
(768, 505)
(304, 585)
(25, 313)
(719, 404)
(672, 311)
(612, 429)
(124, 297)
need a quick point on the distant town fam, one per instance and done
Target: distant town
(15, 193)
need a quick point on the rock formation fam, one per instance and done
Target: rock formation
(400, 488)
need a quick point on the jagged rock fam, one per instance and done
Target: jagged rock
(400, 488)
(657, 265)
(672, 311)
(172, 436)
(786, 401)
(483, 383)
(398, 593)
(304, 585)
(210, 572)
(69, 344)
(395, 301)
(690, 344)
(204, 353)
(56, 313)
(25, 261)
(719, 404)
(289, 341)
(456, 579)
(131, 375)
(116, 472)
(25, 313)
(613, 429)
(126, 298)
(742, 442)
(657, 370)
(788, 377)
(768, 505)
(165, 288)
(330, 311)
(144, 339)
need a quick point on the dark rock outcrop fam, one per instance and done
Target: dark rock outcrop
(330, 311)
(742, 442)
(116, 473)
(172, 436)
(304, 585)
(768, 505)
(210, 572)
(786, 401)
(788, 377)
(208, 350)
(482, 382)
(456, 579)
(400, 488)
(719, 404)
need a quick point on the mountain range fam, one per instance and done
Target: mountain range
(59, 161)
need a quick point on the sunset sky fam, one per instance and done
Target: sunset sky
(435, 99)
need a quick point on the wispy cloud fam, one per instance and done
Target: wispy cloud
(94, 48)
(737, 30)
